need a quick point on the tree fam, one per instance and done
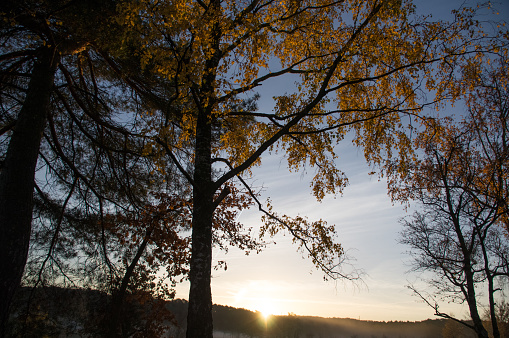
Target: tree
(122, 220)
(110, 216)
(356, 65)
(48, 43)
(17, 176)
(461, 182)
(92, 225)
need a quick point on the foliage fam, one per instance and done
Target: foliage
(93, 188)
(153, 129)
(105, 215)
(461, 182)
(356, 65)
(83, 312)
(33, 43)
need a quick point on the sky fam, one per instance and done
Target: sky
(280, 281)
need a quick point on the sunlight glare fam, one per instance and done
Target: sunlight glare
(261, 296)
(266, 309)
(266, 315)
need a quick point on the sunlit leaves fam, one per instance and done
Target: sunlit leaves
(364, 66)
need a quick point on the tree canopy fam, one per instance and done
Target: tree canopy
(460, 179)
(163, 98)
(361, 65)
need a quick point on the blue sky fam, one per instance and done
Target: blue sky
(280, 281)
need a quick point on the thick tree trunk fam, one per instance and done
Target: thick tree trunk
(199, 316)
(17, 179)
(472, 302)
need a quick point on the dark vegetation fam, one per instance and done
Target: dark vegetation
(129, 128)
(65, 312)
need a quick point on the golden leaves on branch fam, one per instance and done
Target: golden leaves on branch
(364, 66)
(314, 239)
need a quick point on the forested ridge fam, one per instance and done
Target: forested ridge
(57, 311)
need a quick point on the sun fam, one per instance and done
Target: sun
(265, 314)
(266, 309)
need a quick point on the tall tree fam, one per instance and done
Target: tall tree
(17, 178)
(356, 64)
(93, 150)
(96, 156)
(36, 36)
(461, 181)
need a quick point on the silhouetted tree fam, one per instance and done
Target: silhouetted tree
(35, 37)
(462, 185)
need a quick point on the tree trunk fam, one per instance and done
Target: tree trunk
(493, 313)
(17, 179)
(117, 302)
(466, 249)
(490, 279)
(199, 316)
(472, 302)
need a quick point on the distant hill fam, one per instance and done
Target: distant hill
(77, 312)
(232, 322)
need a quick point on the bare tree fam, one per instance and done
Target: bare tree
(459, 234)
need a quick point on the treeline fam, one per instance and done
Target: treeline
(64, 312)
(67, 312)
(307, 327)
